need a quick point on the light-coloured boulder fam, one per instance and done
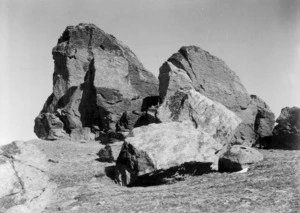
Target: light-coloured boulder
(207, 115)
(24, 185)
(162, 146)
(238, 157)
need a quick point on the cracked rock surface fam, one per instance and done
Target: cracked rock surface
(24, 185)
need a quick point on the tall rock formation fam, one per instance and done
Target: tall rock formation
(192, 67)
(96, 81)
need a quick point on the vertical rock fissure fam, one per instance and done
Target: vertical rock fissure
(90, 112)
(17, 175)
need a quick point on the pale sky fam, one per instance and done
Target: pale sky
(258, 39)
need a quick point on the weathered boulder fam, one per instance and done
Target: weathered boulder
(193, 129)
(163, 146)
(192, 67)
(238, 157)
(96, 79)
(207, 115)
(105, 154)
(24, 185)
(286, 134)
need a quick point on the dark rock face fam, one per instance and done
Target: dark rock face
(286, 134)
(105, 154)
(192, 67)
(264, 122)
(96, 79)
(132, 163)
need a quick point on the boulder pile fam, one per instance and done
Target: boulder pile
(196, 114)
(101, 90)
(196, 118)
(197, 131)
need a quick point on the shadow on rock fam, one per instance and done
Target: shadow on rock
(146, 119)
(110, 172)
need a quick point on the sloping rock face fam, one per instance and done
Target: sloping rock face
(193, 129)
(192, 67)
(238, 157)
(207, 115)
(286, 134)
(24, 185)
(96, 79)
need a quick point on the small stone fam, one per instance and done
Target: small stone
(53, 161)
(105, 154)
(101, 203)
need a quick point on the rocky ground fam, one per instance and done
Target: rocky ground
(272, 185)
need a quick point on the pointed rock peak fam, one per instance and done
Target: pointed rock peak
(192, 49)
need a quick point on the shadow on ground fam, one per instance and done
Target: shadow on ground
(168, 176)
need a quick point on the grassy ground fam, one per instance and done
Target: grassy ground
(272, 185)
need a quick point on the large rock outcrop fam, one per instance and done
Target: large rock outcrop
(25, 185)
(192, 67)
(286, 134)
(96, 80)
(194, 129)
